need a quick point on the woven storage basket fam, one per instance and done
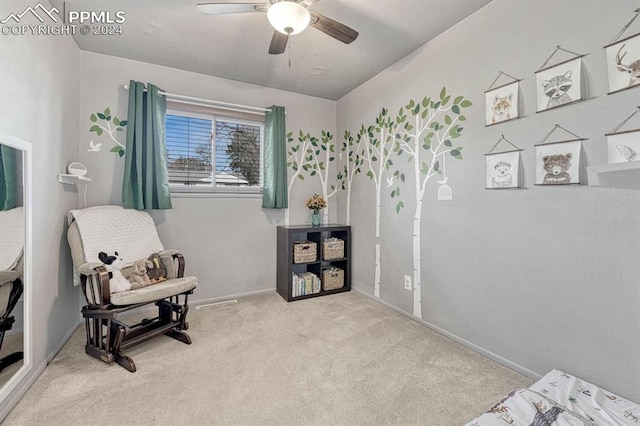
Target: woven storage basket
(305, 251)
(332, 278)
(332, 249)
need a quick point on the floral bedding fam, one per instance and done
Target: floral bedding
(559, 399)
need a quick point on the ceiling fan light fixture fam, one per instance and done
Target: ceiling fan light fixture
(288, 17)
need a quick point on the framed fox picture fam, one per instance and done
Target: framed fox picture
(502, 103)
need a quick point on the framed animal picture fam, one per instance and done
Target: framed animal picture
(502, 103)
(624, 146)
(623, 63)
(503, 170)
(559, 85)
(558, 163)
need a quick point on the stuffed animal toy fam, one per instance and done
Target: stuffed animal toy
(114, 265)
(157, 272)
(139, 277)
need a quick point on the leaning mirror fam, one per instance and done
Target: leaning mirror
(15, 262)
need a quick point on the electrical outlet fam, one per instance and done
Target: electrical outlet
(407, 282)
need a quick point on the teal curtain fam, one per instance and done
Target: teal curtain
(274, 195)
(8, 178)
(146, 179)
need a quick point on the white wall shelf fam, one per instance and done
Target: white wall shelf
(615, 175)
(69, 179)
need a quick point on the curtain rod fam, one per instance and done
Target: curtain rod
(209, 102)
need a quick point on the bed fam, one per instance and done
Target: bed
(559, 399)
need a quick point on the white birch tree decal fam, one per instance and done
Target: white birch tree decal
(426, 131)
(378, 142)
(297, 161)
(321, 154)
(352, 164)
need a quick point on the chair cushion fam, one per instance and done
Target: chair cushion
(155, 292)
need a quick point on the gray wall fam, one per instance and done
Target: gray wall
(228, 242)
(546, 277)
(39, 84)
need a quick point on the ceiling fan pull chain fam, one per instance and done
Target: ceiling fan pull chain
(289, 54)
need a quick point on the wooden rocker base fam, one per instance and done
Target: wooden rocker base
(130, 365)
(126, 362)
(180, 335)
(109, 338)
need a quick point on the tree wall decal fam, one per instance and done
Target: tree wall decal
(425, 134)
(102, 123)
(377, 142)
(351, 168)
(297, 160)
(320, 155)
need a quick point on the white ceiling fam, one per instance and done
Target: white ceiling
(175, 34)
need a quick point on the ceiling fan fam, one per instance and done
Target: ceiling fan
(288, 17)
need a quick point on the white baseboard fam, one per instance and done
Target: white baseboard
(478, 349)
(230, 297)
(193, 303)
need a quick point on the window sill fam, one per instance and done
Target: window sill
(216, 194)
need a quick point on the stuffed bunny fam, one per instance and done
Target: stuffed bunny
(139, 277)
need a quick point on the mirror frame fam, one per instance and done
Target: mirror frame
(27, 294)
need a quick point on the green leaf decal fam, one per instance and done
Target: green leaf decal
(121, 153)
(94, 128)
(102, 116)
(107, 111)
(455, 109)
(116, 121)
(93, 118)
(466, 104)
(436, 166)
(115, 149)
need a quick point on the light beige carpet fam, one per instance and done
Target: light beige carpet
(336, 360)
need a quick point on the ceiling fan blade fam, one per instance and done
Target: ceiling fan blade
(333, 28)
(226, 7)
(278, 43)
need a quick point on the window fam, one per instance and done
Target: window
(213, 153)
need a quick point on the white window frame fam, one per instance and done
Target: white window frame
(181, 190)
